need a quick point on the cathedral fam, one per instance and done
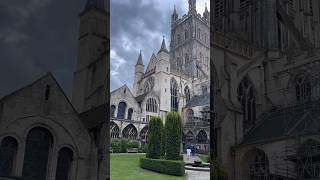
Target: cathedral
(44, 135)
(175, 79)
(265, 72)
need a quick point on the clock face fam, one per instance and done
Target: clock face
(148, 85)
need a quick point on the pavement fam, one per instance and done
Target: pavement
(195, 175)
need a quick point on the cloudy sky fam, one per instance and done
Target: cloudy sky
(37, 36)
(140, 26)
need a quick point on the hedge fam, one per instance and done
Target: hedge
(154, 138)
(173, 136)
(163, 166)
(121, 145)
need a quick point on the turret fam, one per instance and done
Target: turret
(174, 16)
(139, 69)
(192, 6)
(206, 13)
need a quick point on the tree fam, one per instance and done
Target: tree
(173, 136)
(154, 138)
(163, 141)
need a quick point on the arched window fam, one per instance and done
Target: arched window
(187, 63)
(8, 152)
(130, 132)
(130, 112)
(190, 115)
(38, 146)
(148, 85)
(121, 110)
(259, 166)
(65, 158)
(204, 89)
(202, 137)
(246, 96)
(114, 130)
(189, 137)
(112, 110)
(303, 89)
(151, 105)
(174, 95)
(187, 93)
(144, 135)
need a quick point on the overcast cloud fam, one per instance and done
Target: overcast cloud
(140, 26)
(38, 36)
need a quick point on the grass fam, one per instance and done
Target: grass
(126, 167)
(203, 157)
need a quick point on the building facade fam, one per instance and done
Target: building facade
(265, 72)
(175, 79)
(43, 136)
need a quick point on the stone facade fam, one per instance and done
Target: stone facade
(170, 82)
(265, 73)
(45, 136)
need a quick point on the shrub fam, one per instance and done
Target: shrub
(217, 171)
(143, 149)
(116, 145)
(123, 145)
(153, 138)
(163, 141)
(163, 166)
(173, 136)
(133, 144)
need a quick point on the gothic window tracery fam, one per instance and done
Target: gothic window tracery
(121, 110)
(174, 94)
(8, 152)
(144, 135)
(130, 132)
(151, 105)
(190, 115)
(259, 166)
(148, 85)
(202, 137)
(246, 96)
(303, 88)
(115, 130)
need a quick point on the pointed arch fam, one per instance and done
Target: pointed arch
(114, 130)
(174, 95)
(255, 164)
(130, 112)
(302, 85)
(151, 105)
(144, 135)
(112, 110)
(130, 132)
(247, 98)
(189, 137)
(202, 137)
(8, 152)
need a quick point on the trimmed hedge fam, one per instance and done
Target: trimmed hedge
(163, 166)
(154, 138)
(173, 136)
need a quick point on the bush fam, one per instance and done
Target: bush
(116, 145)
(163, 141)
(155, 129)
(132, 144)
(173, 136)
(143, 149)
(123, 145)
(163, 166)
(217, 171)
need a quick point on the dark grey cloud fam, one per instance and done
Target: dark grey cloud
(37, 36)
(139, 24)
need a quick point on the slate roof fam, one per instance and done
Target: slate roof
(95, 116)
(296, 120)
(199, 100)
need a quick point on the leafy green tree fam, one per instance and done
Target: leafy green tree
(173, 136)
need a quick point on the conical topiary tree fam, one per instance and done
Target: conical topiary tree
(154, 138)
(173, 136)
(163, 141)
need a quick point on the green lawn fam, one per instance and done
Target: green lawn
(126, 167)
(203, 157)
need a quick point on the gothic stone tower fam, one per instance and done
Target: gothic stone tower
(89, 88)
(190, 42)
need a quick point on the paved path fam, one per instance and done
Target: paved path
(195, 175)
